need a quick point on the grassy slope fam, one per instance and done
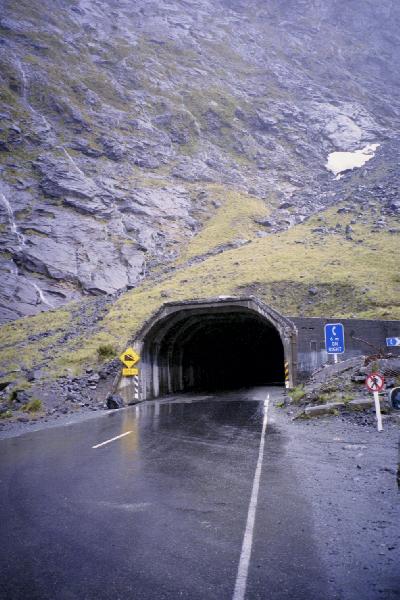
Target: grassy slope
(352, 278)
(234, 220)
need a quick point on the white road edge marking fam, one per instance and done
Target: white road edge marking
(112, 439)
(243, 568)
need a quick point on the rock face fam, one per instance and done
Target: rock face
(117, 118)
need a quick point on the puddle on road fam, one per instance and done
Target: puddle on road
(190, 421)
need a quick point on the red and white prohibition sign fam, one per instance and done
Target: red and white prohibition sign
(375, 382)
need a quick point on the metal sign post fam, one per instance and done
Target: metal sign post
(375, 383)
(378, 411)
(334, 339)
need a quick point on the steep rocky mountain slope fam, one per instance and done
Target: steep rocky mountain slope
(154, 151)
(126, 126)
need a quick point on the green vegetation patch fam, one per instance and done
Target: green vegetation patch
(233, 220)
(18, 331)
(7, 414)
(216, 99)
(33, 406)
(106, 351)
(297, 394)
(23, 342)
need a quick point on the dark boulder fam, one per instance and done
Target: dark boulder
(114, 401)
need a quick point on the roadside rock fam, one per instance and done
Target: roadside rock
(323, 409)
(367, 403)
(114, 401)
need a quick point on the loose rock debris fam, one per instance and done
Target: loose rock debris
(339, 389)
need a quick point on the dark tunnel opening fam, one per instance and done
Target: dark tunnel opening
(220, 351)
(228, 354)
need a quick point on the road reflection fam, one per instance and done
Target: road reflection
(130, 443)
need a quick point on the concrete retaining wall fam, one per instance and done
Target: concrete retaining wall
(311, 352)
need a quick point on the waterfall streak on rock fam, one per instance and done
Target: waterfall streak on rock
(41, 295)
(21, 242)
(11, 220)
(71, 160)
(24, 94)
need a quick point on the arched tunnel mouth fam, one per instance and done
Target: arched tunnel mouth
(209, 350)
(230, 352)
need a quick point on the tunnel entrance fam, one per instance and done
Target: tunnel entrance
(215, 345)
(232, 351)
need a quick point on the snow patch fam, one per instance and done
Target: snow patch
(338, 162)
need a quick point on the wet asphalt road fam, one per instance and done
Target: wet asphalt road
(160, 513)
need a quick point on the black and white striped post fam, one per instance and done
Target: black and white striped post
(136, 387)
(287, 378)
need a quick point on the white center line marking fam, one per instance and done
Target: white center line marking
(243, 568)
(112, 439)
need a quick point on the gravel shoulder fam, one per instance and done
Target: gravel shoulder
(349, 473)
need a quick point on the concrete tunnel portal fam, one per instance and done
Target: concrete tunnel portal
(211, 345)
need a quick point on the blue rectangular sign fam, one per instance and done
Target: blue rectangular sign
(393, 341)
(334, 338)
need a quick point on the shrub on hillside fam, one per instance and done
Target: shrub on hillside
(33, 406)
(106, 351)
